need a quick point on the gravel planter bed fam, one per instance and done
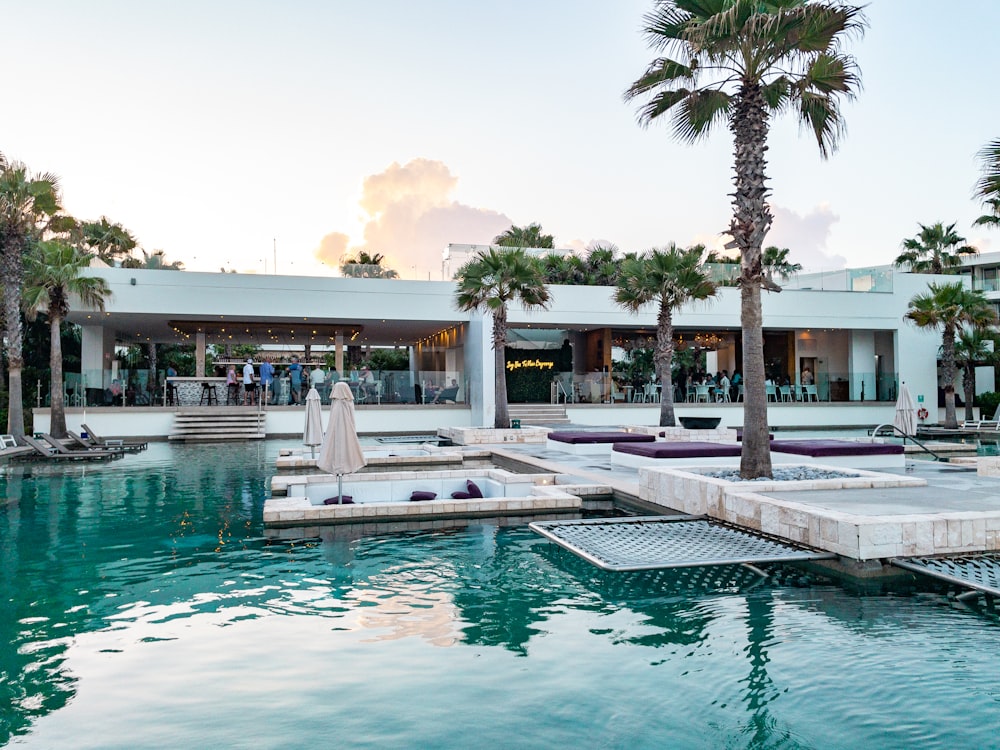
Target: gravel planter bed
(781, 474)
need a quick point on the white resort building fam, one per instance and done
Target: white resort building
(846, 328)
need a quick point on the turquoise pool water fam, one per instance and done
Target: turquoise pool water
(143, 608)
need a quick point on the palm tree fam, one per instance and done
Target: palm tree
(741, 62)
(602, 264)
(669, 278)
(936, 249)
(950, 307)
(365, 265)
(776, 264)
(27, 202)
(53, 275)
(154, 261)
(108, 241)
(490, 282)
(529, 236)
(988, 187)
(973, 347)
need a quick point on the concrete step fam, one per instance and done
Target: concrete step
(218, 424)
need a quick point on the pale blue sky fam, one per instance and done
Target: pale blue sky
(209, 128)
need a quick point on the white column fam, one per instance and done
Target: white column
(199, 354)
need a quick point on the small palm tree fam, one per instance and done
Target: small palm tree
(950, 307)
(366, 265)
(974, 347)
(741, 62)
(602, 265)
(936, 249)
(54, 273)
(154, 261)
(529, 236)
(668, 278)
(776, 264)
(111, 242)
(991, 219)
(27, 203)
(490, 282)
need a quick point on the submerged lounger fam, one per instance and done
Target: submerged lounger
(680, 453)
(590, 443)
(840, 453)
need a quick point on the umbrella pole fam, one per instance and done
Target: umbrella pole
(340, 488)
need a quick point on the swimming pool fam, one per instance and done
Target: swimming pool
(143, 608)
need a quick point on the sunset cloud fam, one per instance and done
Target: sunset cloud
(806, 237)
(411, 218)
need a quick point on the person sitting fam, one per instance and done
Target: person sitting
(367, 383)
(232, 386)
(431, 392)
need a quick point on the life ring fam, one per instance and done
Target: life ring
(922, 413)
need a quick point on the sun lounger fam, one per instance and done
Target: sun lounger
(592, 443)
(61, 448)
(7, 441)
(844, 453)
(44, 451)
(677, 453)
(89, 444)
(131, 446)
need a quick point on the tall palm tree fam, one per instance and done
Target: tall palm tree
(366, 265)
(950, 307)
(491, 281)
(988, 187)
(528, 236)
(27, 202)
(109, 241)
(740, 62)
(54, 272)
(668, 278)
(974, 347)
(936, 249)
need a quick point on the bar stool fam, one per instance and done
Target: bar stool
(233, 394)
(172, 397)
(209, 395)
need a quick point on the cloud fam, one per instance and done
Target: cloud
(412, 218)
(331, 248)
(805, 236)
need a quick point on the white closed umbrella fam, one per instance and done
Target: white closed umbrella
(906, 412)
(312, 434)
(341, 451)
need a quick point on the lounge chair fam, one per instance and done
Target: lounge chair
(42, 450)
(7, 441)
(131, 446)
(446, 395)
(88, 444)
(593, 443)
(846, 453)
(58, 447)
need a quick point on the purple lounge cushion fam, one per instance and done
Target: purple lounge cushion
(679, 449)
(460, 495)
(579, 438)
(739, 435)
(422, 495)
(473, 489)
(344, 500)
(821, 448)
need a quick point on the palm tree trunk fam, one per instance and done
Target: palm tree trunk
(12, 273)
(969, 386)
(750, 224)
(57, 389)
(153, 382)
(664, 362)
(501, 419)
(948, 371)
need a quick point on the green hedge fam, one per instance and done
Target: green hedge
(531, 383)
(988, 402)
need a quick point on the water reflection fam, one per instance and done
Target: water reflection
(163, 551)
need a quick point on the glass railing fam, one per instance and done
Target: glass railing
(874, 280)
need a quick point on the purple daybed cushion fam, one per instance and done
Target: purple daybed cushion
(422, 495)
(473, 489)
(459, 495)
(580, 438)
(821, 448)
(344, 500)
(680, 449)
